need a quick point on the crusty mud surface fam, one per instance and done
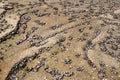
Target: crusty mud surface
(59, 39)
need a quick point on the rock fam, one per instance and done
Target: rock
(77, 55)
(96, 33)
(114, 47)
(114, 70)
(63, 48)
(58, 77)
(67, 73)
(52, 71)
(46, 67)
(29, 69)
(54, 53)
(56, 26)
(85, 56)
(62, 39)
(102, 47)
(91, 63)
(16, 68)
(112, 78)
(12, 77)
(70, 38)
(41, 50)
(22, 76)
(1, 57)
(102, 64)
(81, 30)
(81, 38)
(80, 69)
(39, 64)
(0, 70)
(101, 74)
(67, 61)
(8, 6)
(48, 48)
(39, 22)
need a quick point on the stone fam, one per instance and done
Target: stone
(77, 55)
(67, 61)
(80, 68)
(114, 70)
(29, 69)
(114, 47)
(67, 73)
(70, 38)
(58, 77)
(101, 74)
(52, 71)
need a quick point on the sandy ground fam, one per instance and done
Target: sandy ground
(77, 22)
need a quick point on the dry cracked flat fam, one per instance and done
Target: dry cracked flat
(59, 40)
